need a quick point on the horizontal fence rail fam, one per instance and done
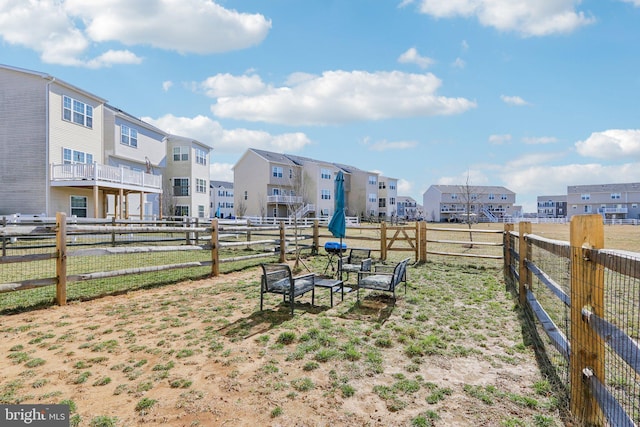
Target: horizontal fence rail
(586, 301)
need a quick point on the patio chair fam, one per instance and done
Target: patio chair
(277, 279)
(378, 280)
(357, 260)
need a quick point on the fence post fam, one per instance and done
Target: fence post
(113, 231)
(283, 242)
(383, 241)
(215, 253)
(316, 237)
(506, 244)
(525, 253)
(4, 238)
(587, 291)
(61, 258)
(248, 230)
(423, 241)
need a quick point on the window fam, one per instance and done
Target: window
(492, 196)
(373, 180)
(615, 195)
(325, 174)
(503, 197)
(276, 172)
(392, 186)
(201, 156)
(585, 196)
(454, 196)
(70, 156)
(382, 203)
(382, 185)
(79, 206)
(587, 208)
(392, 201)
(373, 197)
(324, 212)
(201, 185)
(246, 195)
(200, 211)
(181, 210)
(474, 196)
(180, 154)
(128, 136)
(325, 194)
(290, 173)
(634, 205)
(180, 187)
(275, 191)
(77, 112)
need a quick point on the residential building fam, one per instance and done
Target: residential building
(63, 149)
(453, 203)
(408, 208)
(281, 185)
(387, 198)
(221, 194)
(612, 201)
(187, 178)
(552, 206)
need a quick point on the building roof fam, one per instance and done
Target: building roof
(479, 189)
(603, 188)
(224, 184)
(300, 160)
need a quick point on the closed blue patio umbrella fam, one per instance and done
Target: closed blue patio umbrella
(338, 224)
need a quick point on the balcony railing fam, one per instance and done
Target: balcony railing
(613, 210)
(98, 172)
(285, 200)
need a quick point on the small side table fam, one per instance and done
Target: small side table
(331, 284)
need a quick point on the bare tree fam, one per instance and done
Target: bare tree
(469, 197)
(241, 209)
(297, 203)
(262, 205)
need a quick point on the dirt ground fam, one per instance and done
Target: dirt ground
(204, 355)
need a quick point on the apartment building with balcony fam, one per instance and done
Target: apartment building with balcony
(408, 208)
(221, 199)
(387, 198)
(612, 201)
(269, 184)
(453, 203)
(187, 178)
(64, 149)
(552, 206)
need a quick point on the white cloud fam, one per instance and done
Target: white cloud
(166, 85)
(499, 139)
(112, 57)
(343, 96)
(611, 144)
(224, 141)
(385, 145)
(529, 18)
(412, 56)
(513, 100)
(636, 3)
(63, 31)
(539, 140)
(222, 85)
(459, 63)
(221, 172)
(405, 187)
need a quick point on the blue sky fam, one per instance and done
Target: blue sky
(534, 95)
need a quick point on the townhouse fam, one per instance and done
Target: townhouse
(452, 203)
(408, 208)
(221, 195)
(552, 206)
(612, 201)
(64, 149)
(269, 184)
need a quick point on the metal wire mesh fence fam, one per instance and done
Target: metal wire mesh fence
(583, 303)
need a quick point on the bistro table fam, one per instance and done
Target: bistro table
(333, 285)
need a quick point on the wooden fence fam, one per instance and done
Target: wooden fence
(585, 300)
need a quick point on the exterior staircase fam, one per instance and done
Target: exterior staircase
(488, 214)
